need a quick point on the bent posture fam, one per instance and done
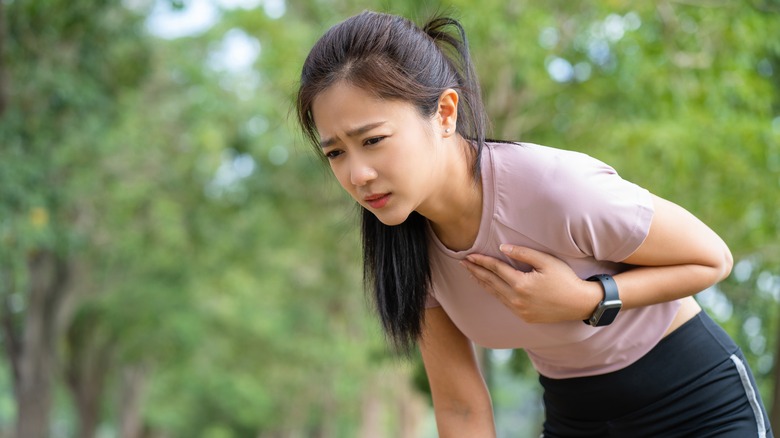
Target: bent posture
(518, 245)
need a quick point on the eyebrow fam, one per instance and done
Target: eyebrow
(353, 133)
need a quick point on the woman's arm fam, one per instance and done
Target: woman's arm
(680, 256)
(460, 398)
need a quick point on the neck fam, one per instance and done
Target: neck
(455, 211)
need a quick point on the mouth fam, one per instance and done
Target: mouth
(378, 200)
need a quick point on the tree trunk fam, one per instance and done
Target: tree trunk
(412, 409)
(10, 322)
(38, 359)
(774, 413)
(88, 362)
(133, 384)
(88, 407)
(371, 416)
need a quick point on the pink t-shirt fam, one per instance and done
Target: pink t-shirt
(574, 207)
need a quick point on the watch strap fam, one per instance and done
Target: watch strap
(609, 307)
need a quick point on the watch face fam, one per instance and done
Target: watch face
(606, 313)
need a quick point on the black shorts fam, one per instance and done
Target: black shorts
(694, 383)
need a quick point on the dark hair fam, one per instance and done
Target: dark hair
(394, 59)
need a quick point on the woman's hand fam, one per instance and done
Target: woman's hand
(680, 257)
(550, 292)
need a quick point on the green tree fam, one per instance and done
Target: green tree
(173, 256)
(59, 84)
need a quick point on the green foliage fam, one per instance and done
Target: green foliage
(224, 289)
(217, 254)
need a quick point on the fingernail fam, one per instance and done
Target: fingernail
(505, 248)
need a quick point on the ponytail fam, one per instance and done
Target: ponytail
(472, 120)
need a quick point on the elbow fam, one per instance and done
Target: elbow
(727, 263)
(722, 263)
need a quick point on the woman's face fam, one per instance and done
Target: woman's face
(383, 152)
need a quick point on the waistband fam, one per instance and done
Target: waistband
(685, 355)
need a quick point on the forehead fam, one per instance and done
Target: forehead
(343, 106)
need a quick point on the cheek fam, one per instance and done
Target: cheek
(342, 176)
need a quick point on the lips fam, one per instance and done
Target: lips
(378, 200)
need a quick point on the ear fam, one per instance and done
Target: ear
(447, 112)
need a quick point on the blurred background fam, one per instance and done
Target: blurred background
(176, 262)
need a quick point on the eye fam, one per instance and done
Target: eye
(333, 154)
(372, 141)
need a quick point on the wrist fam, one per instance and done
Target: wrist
(610, 306)
(594, 294)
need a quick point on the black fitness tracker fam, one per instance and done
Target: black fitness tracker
(609, 307)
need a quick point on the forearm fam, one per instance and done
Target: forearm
(680, 257)
(464, 409)
(462, 421)
(461, 399)
(647, 285)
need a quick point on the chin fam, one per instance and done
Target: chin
(391, 220)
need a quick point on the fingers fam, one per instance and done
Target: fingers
(537, 259)
(494, 265)
(495, 274)
(508, 290)
(489, 280)
(501, 279)
(548, 292)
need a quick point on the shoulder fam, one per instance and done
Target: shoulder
(539, 160)
(538, 173)
(567, 200)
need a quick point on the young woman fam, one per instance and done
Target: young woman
(516, 245)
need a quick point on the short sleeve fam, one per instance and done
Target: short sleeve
(572, 204)
(603, 215)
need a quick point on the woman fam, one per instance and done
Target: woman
(518, 246)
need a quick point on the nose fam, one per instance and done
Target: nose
(360, 173)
